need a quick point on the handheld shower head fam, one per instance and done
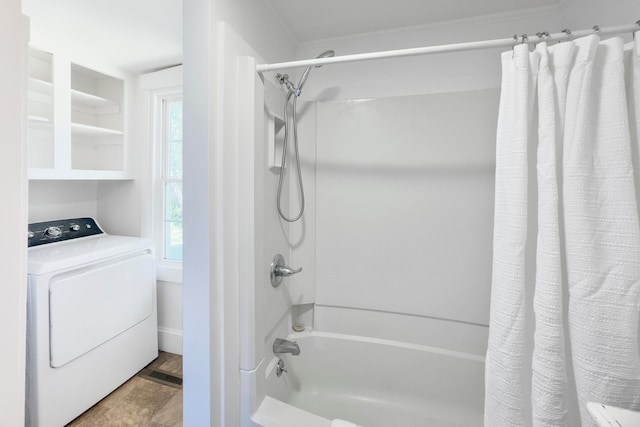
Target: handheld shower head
(305, 74)
(326, 54)
(291, 90)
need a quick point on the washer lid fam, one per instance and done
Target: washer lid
(77, 252)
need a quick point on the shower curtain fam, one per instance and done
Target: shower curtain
(566, 270)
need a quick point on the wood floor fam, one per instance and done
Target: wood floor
(152, 398)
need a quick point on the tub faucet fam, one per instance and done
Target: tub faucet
(283, 346)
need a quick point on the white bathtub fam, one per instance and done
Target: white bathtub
(372, 383)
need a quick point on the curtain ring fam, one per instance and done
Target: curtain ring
(596, 29)
(568, 33)
(525, 38)
(544, 34)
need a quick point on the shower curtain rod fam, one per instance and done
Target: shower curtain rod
(457, 47)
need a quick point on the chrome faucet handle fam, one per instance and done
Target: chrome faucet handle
(279, 270)
(284, 271)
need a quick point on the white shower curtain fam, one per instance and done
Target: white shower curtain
(566, 269)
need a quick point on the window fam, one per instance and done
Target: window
(171, 177)
(159, 160)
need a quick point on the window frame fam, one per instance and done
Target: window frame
(161, 101)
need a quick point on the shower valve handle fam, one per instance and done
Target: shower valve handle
(284, 271)
(279, 270)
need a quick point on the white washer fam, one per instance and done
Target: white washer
(91, 316)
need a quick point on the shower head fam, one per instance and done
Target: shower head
(325, 54)
(305, 74)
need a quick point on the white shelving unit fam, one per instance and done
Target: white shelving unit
(88, 99)
(78, 129)
(76, 120)
(40, 105)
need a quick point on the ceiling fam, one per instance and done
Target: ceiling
(135, 35)
(144, 35)
(310, 20)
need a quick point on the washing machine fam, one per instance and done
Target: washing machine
(91, 316)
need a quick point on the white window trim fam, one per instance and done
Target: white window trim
(155, 87)
(161, 180)
(166, 267)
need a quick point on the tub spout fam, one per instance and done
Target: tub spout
(283, 346)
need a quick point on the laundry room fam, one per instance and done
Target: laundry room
(105, 189)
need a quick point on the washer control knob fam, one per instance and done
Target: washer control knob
(75, 227)
(53, 232)
(31, 234)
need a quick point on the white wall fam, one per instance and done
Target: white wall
(138, 36)
(202, 397)
(447, 72)
(170, 315)
(259, 26)
(211, 267)
(13, 215)
(404, 214)
(120, 204)
(451, 72)
(145, 196)
(302, 286)
(51, 200)
(583, 14)
(276, 232)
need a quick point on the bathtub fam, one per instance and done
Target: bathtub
(372, 383)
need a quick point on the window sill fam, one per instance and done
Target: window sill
(169, 271)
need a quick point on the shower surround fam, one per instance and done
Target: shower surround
(395, 246)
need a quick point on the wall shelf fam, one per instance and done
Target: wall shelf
(39, 119)
(90, 100)
(78, 129)
(41, 86)
(76, 174)
(40, 107)
(76, 121)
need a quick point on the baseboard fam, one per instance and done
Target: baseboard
(170, 340)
